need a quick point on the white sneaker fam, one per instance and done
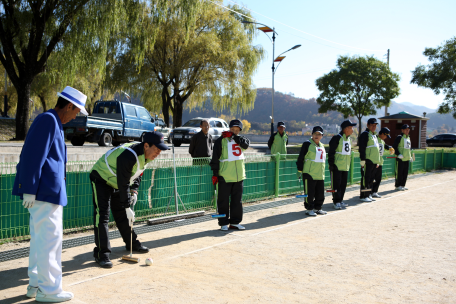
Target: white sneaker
(403, 188)
(53, 298)
(399, 189)
(366, 200)
(31, 291)
(224, 228)
(337, 206)
(237, 226)
(372, 199)
(376, 195)
(342, 204)
(311, 213)
(321, 212)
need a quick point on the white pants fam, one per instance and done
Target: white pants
(45, 259)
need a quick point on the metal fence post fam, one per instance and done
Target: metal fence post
(352, 168)
(411, 162)
(443, 153)
(434, 159)
(425, 158)
(277, 174)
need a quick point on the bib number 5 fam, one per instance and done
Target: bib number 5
(236, 150)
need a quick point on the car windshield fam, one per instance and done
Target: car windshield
(192, 123)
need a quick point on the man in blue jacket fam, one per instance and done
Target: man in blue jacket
(41, 183)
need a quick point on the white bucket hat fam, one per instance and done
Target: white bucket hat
(75, 97)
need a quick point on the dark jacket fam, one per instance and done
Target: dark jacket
(271, 139)
(396, 143)
(302, 154)
(363, 139)
(201, 145)
(242, 141)
(333, 144)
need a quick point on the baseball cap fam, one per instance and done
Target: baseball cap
(317, 129)
(156, 139)
(236, 123)
(347, 123)
(372, 121)
(405, 127)
(281, 124)
(385, 131)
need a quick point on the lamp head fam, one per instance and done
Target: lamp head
(296, 46)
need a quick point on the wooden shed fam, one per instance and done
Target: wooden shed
(417, 128)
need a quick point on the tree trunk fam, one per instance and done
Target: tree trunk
(43, 102)
(165, 106)
(23, 109)
(360, 128)
(177, 114)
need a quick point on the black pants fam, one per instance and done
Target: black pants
(402, 168)
(367, 178)
(106, 198)
(233, 209)
(377, 179)
(315, 190)
(338, 183)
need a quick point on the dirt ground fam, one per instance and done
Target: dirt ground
(399, 249)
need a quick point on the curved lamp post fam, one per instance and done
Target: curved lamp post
(266, 29)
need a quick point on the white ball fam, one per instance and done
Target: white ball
(149, 262)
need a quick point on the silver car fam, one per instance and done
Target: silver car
(185, 133)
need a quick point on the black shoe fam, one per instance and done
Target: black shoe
(139, 248)
(104, 263)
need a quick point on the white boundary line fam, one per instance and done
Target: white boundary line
(261, 232)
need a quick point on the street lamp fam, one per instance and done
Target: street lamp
(266, 29)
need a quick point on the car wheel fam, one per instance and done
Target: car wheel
(77, 141)
(168, 140)
(105, 140)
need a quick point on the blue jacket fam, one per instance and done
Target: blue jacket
(42, 165)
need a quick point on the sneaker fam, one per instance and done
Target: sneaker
(31, 291)
(321, 212)
(376, 195)
(403, 188)
(237, 227)
(337, 206)
(104, 263)
(224, 228)
(311, 213)
(370, 197)
(366, 200)
(399, 189)
(53, 298)
(342, 204)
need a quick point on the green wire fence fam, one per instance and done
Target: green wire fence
(267, 177)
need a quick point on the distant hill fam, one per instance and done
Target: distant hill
(409, 107)
(436, 120)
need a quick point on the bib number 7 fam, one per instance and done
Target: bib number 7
(236, 150)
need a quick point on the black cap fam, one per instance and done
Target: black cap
(317, 129)
(236, 123)
(281, 124)
(385, 131)
(405, 127)
(372, 121)
(156, 139)
(347, 123)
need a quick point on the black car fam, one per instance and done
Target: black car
(442, 140)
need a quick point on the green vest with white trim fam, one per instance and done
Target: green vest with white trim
(232, 167)
(314, 161)
(372, 149)
(280, 144)
(343, 153)
(381, 148)
(404, 147)
(106, 166)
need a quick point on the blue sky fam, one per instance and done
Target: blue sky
(365, 28)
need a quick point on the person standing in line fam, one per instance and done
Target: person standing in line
(278, 141)
(311, 167)
(369, 154)
(402, 146)
(41, 183)
(383, 134)
(201, 144)
(228, 169)
(339, 160)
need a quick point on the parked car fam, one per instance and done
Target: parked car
(161, 126)
(112, 122)
(185, 133)
(442, 140)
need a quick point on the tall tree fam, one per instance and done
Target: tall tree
(357, 87)
(213, 59)
(30, 31)
(440, 76)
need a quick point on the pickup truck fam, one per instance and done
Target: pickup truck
(112, 122)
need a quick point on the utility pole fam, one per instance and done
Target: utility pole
(388, 62)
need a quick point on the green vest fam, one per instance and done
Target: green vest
(110, 157)
(372, 149)
(343, 153)
(280, 144)
(232, 167)
(404, 147)
(314, 161)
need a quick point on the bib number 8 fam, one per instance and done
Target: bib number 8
(236, 150)
(347, 147)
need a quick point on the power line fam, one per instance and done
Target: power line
(305, 32)
(232, 10)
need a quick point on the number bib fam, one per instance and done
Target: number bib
(380, 149)
(320, 156)
(407, 143)
(234, 151)
(346, 148)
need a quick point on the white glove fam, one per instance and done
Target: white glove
(400, 156)
(363, 162)
(133, 199)
(29, 200)
(130, 216)
(411, 159)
